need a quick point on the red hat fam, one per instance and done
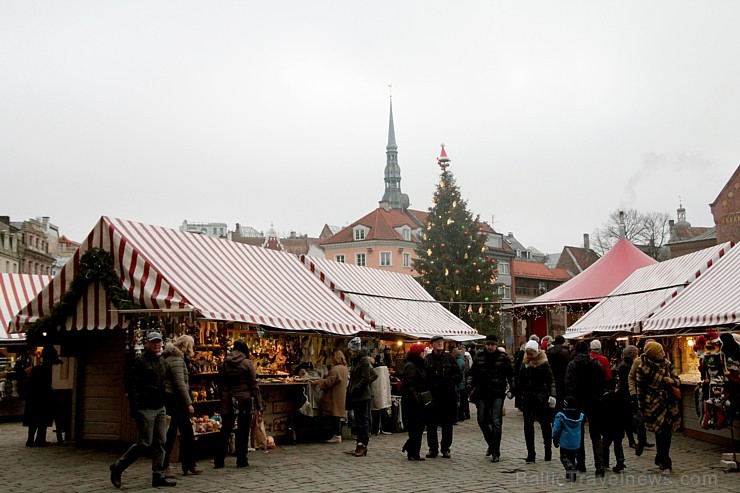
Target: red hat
(700, 342)
(416, 348)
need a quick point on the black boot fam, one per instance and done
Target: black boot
(530, 457)
(619, 467)
(158, 481)
(548, 454)
(115, 475)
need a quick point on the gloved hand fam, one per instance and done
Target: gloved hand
(509, 395)
(551, 402)
(556, 443)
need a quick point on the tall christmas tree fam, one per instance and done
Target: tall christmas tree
(452, 261)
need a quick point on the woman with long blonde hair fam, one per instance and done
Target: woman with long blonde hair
(334, 387)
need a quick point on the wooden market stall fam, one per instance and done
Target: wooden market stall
(16, 291)
(95, 308)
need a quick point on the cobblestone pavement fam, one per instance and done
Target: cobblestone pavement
(321, 467)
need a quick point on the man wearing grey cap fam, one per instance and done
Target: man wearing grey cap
(146, 396)
(443, 375)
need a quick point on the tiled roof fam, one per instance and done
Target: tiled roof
(683, 233)
(537, 270)
(580, 258)
(381, 224)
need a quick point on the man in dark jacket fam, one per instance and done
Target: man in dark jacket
(443, 376)
(359, 393)
(584, 385)
(146, 395)
(558, 357)
(492, 371)
(240, 398)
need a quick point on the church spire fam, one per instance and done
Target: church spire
(392, 198)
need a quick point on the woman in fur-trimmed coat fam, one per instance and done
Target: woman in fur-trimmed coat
(661, 410)
(537, 387)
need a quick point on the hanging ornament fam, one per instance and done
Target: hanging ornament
(454, 203)
(450, 221)
(442, 245)
(477, 288)
(466, 255)
(447, 272)
(475, 264)
(483, 249)
(429, 251)
(457, 271)
(470, 309)
(457, 291)
(480, 309)
(486, 298)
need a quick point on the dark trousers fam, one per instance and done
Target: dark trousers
(444, 418)
(336, 425)
(244, 422)
(663, 448)
(179, 421)
(490, 422)
(594, 433)
(463, 411)
(568, 458)
(542, 416)
(152, 427)
(415, 428)
(363, 420)
(614, 436)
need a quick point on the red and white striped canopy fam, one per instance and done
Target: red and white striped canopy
(16, 291)
(714, 299)
(645, 291)
(389, 301)
(222, 280)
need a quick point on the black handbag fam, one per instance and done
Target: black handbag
(426, 397)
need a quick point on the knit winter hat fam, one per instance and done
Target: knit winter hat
(654, 351)
(355, 344)
(630, 352)
(416, 348)
(532, 345)
(596, 346)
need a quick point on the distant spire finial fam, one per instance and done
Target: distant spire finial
(390, 90)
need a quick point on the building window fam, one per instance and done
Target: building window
(407, 234)
(503, 267)
(359, 234)
(360, 259)
(339, 258)
(407, 260)
(385, 259)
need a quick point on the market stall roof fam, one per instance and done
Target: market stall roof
(16, 291)
(389, 301)
(599, 279)
(221, 280)
(645, 291)
(713, 300)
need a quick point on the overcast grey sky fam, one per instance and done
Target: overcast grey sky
(554, 113)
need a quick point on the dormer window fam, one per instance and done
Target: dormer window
(360, 233)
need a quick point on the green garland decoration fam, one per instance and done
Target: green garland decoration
(96, 265)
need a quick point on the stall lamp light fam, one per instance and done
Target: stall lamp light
(622, 338)
(690, 342)
(43, 334)
(399, 343)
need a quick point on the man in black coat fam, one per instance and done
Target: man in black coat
(558, 357)
(492, 371)
(584, 385)
(443, 376)
(146, 395)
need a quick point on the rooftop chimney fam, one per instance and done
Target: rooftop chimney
(586, 242)
(622, 228)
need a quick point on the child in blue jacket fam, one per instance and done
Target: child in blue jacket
(566, 434)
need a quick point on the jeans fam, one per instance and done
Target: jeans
(152, 427)
(490, 422)
(244, 421)
(179, 420)
(363, 420)
(336, 425)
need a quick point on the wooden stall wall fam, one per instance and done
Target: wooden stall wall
(101, 411)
